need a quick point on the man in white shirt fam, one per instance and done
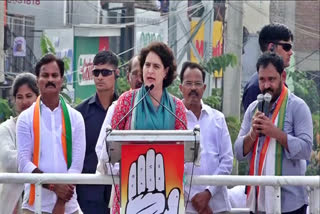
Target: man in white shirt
(51, 139)
(216, 149)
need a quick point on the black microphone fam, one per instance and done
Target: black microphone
(173, 114)
(148, 89)
(267, 98)
(260, 99)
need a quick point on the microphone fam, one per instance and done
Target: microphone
(148, 89)
(260, 99)
(267, 98)
(173, 114)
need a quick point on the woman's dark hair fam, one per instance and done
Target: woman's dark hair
(166, 56)
(28, 79)
(48, 58)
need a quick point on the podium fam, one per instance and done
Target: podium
(189, 138)
(152, 166)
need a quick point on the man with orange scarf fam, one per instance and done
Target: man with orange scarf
(51, 139)
(276, 143)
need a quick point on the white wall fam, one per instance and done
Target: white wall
(255, 15)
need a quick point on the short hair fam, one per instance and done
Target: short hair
(167, 59)
(28, 79)
(191, 65)
(46, 59)
(273, 33)
(131, 62)
(106, 57)
(273, 58)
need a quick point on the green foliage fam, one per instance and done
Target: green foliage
(306, 89)
(314, 164)
(46, 45)
(220, 62)
(216, 64)
(76, 102)
(214, 101)
(234, 125)
(122, 84)
(174, 88)
(5, 110)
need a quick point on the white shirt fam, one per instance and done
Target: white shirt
(51, 154)
(216, 156)
(103, 164)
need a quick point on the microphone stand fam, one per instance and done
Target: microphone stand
(181, 121)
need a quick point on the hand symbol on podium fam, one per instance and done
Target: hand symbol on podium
(146, 187)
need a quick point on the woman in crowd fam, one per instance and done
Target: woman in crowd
(25, 92)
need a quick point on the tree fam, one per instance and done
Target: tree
(219, 63)
(5, 110)
(305, 88)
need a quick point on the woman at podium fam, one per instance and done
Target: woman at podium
(151, 107)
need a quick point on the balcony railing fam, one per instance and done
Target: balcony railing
(312, 182)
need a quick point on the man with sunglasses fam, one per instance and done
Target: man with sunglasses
(95, 198)
(275, 38)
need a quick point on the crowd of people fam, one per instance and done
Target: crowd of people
(49, 136)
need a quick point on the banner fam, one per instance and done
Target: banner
(152, 179)
(85, 66)
(217, 40)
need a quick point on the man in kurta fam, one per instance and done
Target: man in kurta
(216, 156)
(51, 139)
(276, 143)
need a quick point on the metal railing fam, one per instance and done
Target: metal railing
(313, 182)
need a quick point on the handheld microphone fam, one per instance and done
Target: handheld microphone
(267, 98)
(260, 99)
(148, 89)
(173, 114)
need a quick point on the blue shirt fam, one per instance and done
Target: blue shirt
(298, 126)
(93, 114)
(251, 91)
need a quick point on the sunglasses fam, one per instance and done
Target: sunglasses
(104, 72)
(285, 46)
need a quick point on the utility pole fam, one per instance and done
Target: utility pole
(172, 27)
(208, 31)
(2, 14)
(129, 30)
(233, 44)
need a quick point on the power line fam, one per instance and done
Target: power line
(303, 59)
